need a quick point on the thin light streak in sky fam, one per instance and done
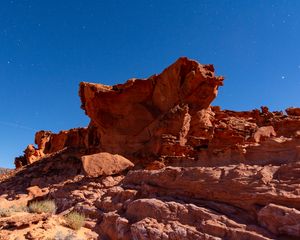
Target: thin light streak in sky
(16, 125)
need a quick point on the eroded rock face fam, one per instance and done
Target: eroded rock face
(293, 111)
(132, 118)
(199, 172)
(167, 118)
(242, 186)
(155, 219)
(84, 140)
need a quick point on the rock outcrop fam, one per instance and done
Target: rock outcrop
(196, 171)
(293, 111)
(135, 118)
(81, 139)
(168, 118)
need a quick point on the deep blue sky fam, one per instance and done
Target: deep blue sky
(47, 47)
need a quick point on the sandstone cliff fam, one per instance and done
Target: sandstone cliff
(157, 161)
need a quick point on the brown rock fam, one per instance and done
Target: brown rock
(156, 219)
(128, 115)
(204, 172)
(168, 118)
(115, 227)
(35, 191)
(47, 143)
(263, 133)
(99, 164)
(115, 199)
(280, 219)
(242, 186)
(155, 165)
(149, 228)
(21, 220)
(293, 111)
(32, 154)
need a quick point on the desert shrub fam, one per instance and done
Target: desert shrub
(45, 206)
(75, 220)
(65, 236)
(15, 208)
(7, 212)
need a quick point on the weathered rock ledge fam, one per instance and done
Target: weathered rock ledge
(157, 161)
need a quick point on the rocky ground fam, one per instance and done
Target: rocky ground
(158, 162)
(4, 170)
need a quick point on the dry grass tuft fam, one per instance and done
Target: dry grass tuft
(75, 220)
(7, 212)
(45, 206)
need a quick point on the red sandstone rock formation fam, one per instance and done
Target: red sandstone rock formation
(132, 118)
(293, 111)
(200, 172)
(168, 117)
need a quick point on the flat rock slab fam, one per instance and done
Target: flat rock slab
(104, 163)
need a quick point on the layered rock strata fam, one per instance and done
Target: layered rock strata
(187, 170)
(168, 118)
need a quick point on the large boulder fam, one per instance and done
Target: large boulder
(280, 219)
(104, 163)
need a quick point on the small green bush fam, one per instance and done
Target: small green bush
(75, 220)
(45, 206)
